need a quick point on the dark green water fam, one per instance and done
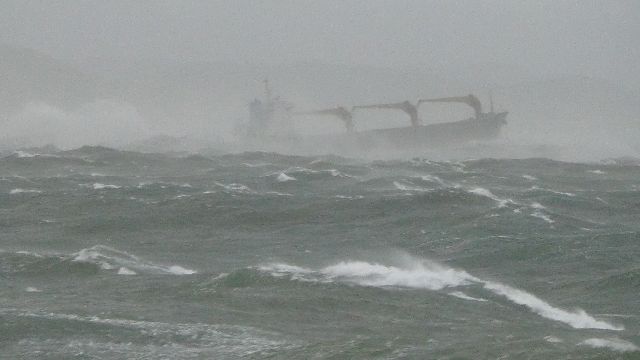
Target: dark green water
(116, 255)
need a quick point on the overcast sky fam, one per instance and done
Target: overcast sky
(593, 38)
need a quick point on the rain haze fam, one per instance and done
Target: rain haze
(279, 179)
(116, 72)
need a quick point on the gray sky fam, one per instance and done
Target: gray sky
(593, 38)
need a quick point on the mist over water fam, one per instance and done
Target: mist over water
(140, 217)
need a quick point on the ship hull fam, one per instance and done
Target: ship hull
(410, 138)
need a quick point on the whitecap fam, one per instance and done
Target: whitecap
(536, 188)
(577, 319)
(346, 197)
(432, 276)
(24, 191)
(109, 258)
(32, 289)
(276, 193)
(419, 276)
(282, 270)
(179, 270)
(256, 165)
(29, 253)
(237, 188)
(24, 154)
(406, 187)
(124, 271)
(302, 170)
(282, 177)
(529, 177)
(209, 341)
(541, 215)
(613, 344)
(552, 339)
(439, 181)
(537, 205)
(99, 186)
(461, 295)
(487, 193)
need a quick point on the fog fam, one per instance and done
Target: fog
(181, 73)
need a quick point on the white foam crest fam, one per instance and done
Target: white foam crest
(487, 193)
(109, 258)
(346, 197)
(207, 340)
(100, 186)
(407, 187)
(25, 191)
(578, 319)
(613, 344)
(337, 173)
(237, 188)
(282, 177)
(295, 272)
(257, 164)
(24, 154)
(124, 271)
(461, 295)
(276, 193)
(543, 216)
(32, 289)
(552, 339)
(537, 205)
(439, 181)
(537, 188)
(418, 275)
(529, 177)
(29, 253)
(302, 170)
(429, 275)
(179, 270)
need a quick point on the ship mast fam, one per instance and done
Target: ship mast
(491, 101)
(267, 91)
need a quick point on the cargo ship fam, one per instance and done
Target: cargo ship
(271, 126)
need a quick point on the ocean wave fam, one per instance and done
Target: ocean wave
(24, 191)
(304, 171)
(502, 202)
(578, 319)
(109, 259)
(612, 344)
(100, 186)
(282, 177)
(241, 189)
(461, 295)
(409, 187)
(429, 275)
(152, 339)
(564, 193)
(86, 261)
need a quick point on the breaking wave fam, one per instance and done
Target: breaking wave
(433, 276)
(89, 260)
(612, 344)
(152, 339)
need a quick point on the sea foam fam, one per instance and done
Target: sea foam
(416, 274)
(282, 177)
(127, 264)
(613, 344)
(487, 193)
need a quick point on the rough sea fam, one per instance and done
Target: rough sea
(109, 254)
